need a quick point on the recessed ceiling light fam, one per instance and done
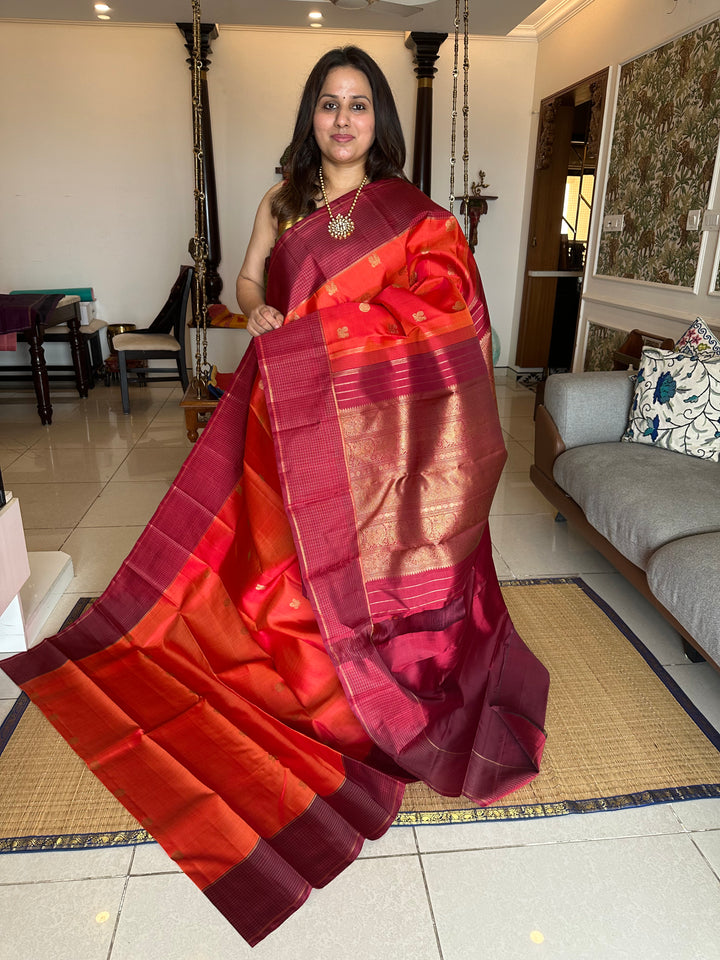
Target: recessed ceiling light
(102, 7)
(103, 16)
(318, 25)
(315, 15)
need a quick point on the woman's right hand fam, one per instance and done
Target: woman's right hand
(262, 319)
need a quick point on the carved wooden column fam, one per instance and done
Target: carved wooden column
(425, 48)
(213, 282)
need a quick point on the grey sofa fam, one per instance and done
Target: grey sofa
(654, 514)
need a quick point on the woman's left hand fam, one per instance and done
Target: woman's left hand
(263, 319)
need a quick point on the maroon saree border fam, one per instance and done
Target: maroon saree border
(205, 481)
(310, 460)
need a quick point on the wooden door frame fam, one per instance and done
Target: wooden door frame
(543, 245)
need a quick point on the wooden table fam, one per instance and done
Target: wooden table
(67, 311)
(195, 410)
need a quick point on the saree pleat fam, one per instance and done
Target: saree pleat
(311, 618)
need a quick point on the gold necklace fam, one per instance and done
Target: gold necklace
(342, 226)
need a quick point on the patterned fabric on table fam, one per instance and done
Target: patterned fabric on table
(676, 404)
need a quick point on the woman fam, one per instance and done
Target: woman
(312, 618)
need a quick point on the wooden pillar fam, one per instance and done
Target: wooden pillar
(425, 48)
(213, 282)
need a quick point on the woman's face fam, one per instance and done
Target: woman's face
(344, 120)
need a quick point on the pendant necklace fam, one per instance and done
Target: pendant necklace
(342, 226)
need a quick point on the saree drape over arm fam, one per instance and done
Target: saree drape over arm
(312, 617)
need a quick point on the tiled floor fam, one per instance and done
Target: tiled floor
(641, 883)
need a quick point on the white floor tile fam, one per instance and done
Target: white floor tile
(24, 431)
(100, 433)
(709, 846)
(9, 454)
(51, 539)
(377, 908)
(65, 465)
(150, 858)
(169, 432)
(152, 463)
(516, 404)
(516, 494)
(519, 458)
(537, 546)
(57, 865)
(699, 814)
(658, 818)
(125, 502)
(97, 553)
(44, 505)
(73, 920)
(701, 683)
(398, 841)
(502, 570)
(168, 917)
(521, 429)
(648, 897)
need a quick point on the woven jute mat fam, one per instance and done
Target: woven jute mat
(620, 733)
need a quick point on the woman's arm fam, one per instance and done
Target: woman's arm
(250, 287)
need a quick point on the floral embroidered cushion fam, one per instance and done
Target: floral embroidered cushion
(676, 404)
(698, 341)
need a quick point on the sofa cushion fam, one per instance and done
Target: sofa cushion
(589, 407)
(698, 340)
(685, 577)
(676, 404)
(640, 497)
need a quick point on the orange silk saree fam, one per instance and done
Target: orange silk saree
(312, 617)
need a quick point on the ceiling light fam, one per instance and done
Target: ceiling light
(315, 15)
(102, 7)
(103, 16)
(318, 25)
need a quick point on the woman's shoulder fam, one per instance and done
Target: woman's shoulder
(270, 194)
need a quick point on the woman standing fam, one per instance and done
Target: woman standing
(312, 617)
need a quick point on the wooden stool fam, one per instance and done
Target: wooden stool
(196, 410)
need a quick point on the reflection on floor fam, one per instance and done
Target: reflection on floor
(640, 883)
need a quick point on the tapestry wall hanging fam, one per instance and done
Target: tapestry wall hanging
(664, 149)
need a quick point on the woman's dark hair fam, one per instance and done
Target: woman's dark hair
(301, 160)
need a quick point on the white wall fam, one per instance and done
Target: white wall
(96, 173)
(501, 131)
(609, 33)
(96, 163)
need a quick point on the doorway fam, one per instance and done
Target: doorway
(562, 199)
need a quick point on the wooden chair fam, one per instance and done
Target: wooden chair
(629, 352)
(164, 339)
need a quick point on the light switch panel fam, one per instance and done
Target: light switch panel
(614, 223)
(693, 220)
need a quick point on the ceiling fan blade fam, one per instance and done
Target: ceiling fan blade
(398, 9)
